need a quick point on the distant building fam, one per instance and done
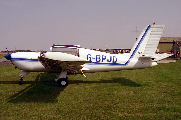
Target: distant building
(170, 44)
(120, 51)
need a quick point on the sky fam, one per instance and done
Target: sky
(38, 24)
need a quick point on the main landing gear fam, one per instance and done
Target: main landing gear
(62, 79)
(63, 82)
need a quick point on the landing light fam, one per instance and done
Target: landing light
(153, 64)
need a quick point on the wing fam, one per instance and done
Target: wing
(58, 62)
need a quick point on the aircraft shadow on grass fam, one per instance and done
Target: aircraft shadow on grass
(45, 89)
(122, 81)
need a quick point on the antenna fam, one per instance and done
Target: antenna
(136, 31)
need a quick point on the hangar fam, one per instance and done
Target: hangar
(170, 44)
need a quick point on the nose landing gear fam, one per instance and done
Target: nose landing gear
(21, 81)
(22, 74)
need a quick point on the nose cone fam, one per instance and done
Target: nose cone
(8, 56)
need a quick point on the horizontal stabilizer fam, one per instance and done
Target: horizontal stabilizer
(159, 57)
(145, 57)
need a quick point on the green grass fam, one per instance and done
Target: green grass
(2, 55)
(153, 93)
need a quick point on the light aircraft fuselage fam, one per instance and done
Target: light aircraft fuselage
(28, 61)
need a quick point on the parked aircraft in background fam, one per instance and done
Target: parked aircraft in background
(142, 55)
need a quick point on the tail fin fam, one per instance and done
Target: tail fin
(147, 42)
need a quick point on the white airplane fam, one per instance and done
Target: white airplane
(142, 55)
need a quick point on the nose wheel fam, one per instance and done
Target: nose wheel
(21, 81)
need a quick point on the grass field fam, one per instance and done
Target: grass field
(153, 93)
(2, 55)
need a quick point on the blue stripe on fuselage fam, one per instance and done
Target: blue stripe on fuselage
(132, 55)
(25, 59)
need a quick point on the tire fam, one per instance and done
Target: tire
(20, 82)
(63, 82)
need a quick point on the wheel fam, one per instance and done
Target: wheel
(63, 82)
(20, 81)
